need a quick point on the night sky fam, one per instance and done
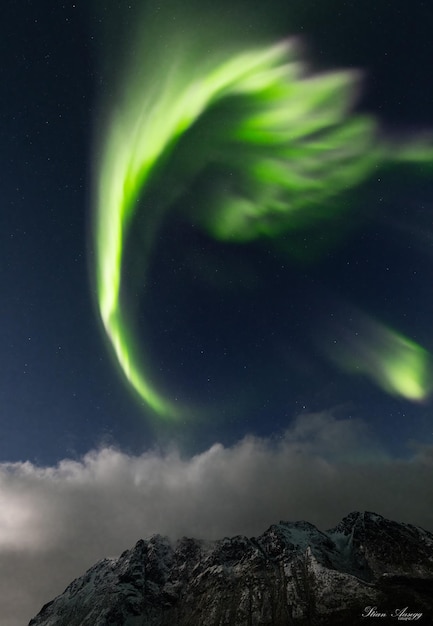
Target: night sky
(228, 327)
(239, 333)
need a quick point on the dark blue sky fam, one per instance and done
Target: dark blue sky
(217, 343)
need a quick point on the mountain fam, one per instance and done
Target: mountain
(365, 567)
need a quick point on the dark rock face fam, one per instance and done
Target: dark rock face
(292, 574)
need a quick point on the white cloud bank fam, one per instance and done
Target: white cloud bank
(57, 521)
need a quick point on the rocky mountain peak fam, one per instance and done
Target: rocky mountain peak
(292, 574)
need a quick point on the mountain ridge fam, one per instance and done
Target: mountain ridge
(293, 573)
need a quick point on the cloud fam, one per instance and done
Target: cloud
(57, 521)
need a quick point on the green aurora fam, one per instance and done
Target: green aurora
(290, 148)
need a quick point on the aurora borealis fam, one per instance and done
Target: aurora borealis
(291, 151)
(254, 218)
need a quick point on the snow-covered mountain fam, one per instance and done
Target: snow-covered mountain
(292, 574)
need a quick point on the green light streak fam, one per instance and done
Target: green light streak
(292, 151)
(396, 364)
(134, 145)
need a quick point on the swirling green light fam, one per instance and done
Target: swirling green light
(395, 363)
(291, 146)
